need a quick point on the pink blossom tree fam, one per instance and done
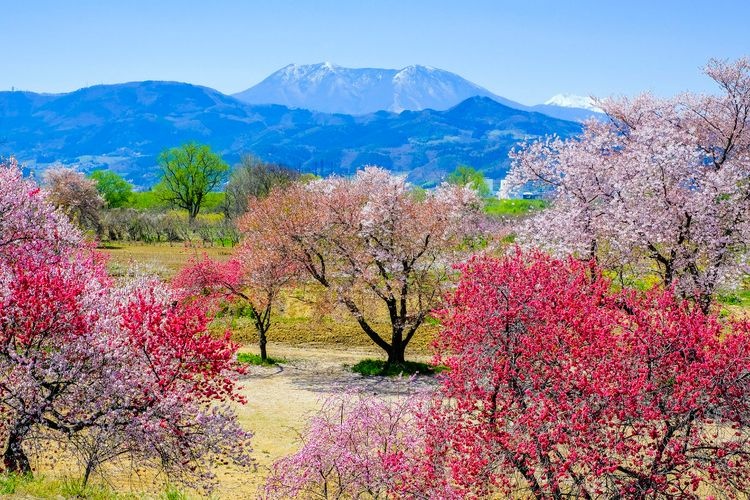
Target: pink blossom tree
(256, 277)
(370, 238)
(662, 187)
(76, 195)
(355, 446)
(27, 222)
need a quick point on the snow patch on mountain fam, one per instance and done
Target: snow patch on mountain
(356, 91)
(573, 101)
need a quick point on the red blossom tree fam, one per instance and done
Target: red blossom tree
(256, 276)
(113, 370)
(558, 386)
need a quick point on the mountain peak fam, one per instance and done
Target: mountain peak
(330, 88)
(573, 101)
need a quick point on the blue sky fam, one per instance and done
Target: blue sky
(523, 50)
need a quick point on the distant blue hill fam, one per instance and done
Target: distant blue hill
(125, 126)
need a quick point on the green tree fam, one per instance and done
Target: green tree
(115, 190)
(189, 173)
(470, 177)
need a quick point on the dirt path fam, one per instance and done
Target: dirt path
(281, 398)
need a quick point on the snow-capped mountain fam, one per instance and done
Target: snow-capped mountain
(573, 101)
(331, 88)
(357, 91)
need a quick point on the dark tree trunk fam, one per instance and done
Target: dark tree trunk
(396, 356)
(396, 351)
(193, 213)
(262, 343)
(14, 458)
(87, 473)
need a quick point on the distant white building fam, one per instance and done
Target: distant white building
(502, 192)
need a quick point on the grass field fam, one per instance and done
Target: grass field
(515, 208)
(163, 259)
(149, 200)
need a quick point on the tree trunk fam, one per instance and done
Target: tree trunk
(262, 343)
(87, 473)
(14, 458)
(192, 213)
(396, 351)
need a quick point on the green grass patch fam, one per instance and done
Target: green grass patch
(249, 358)
(39, 486)
(377, 367)
(74, 488)
(9, 483)
(172, 493)
(500, 208)
(739, 298)
(150, 200)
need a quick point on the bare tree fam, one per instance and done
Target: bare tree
(254, 178)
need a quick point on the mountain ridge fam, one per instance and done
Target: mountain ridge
(331, 88)
(124, 127)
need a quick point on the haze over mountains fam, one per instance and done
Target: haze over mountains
(326, 119)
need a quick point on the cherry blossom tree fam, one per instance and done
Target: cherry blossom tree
(353, 447)
(660, 188)
(369, 238)
(76, 195)
(27, 223)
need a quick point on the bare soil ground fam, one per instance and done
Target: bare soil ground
(281, 398)
(317, 349)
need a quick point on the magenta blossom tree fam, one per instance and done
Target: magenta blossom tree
(256, 276)
(557, 386)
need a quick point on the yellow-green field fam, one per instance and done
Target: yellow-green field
(317, 350)
(163, 259)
